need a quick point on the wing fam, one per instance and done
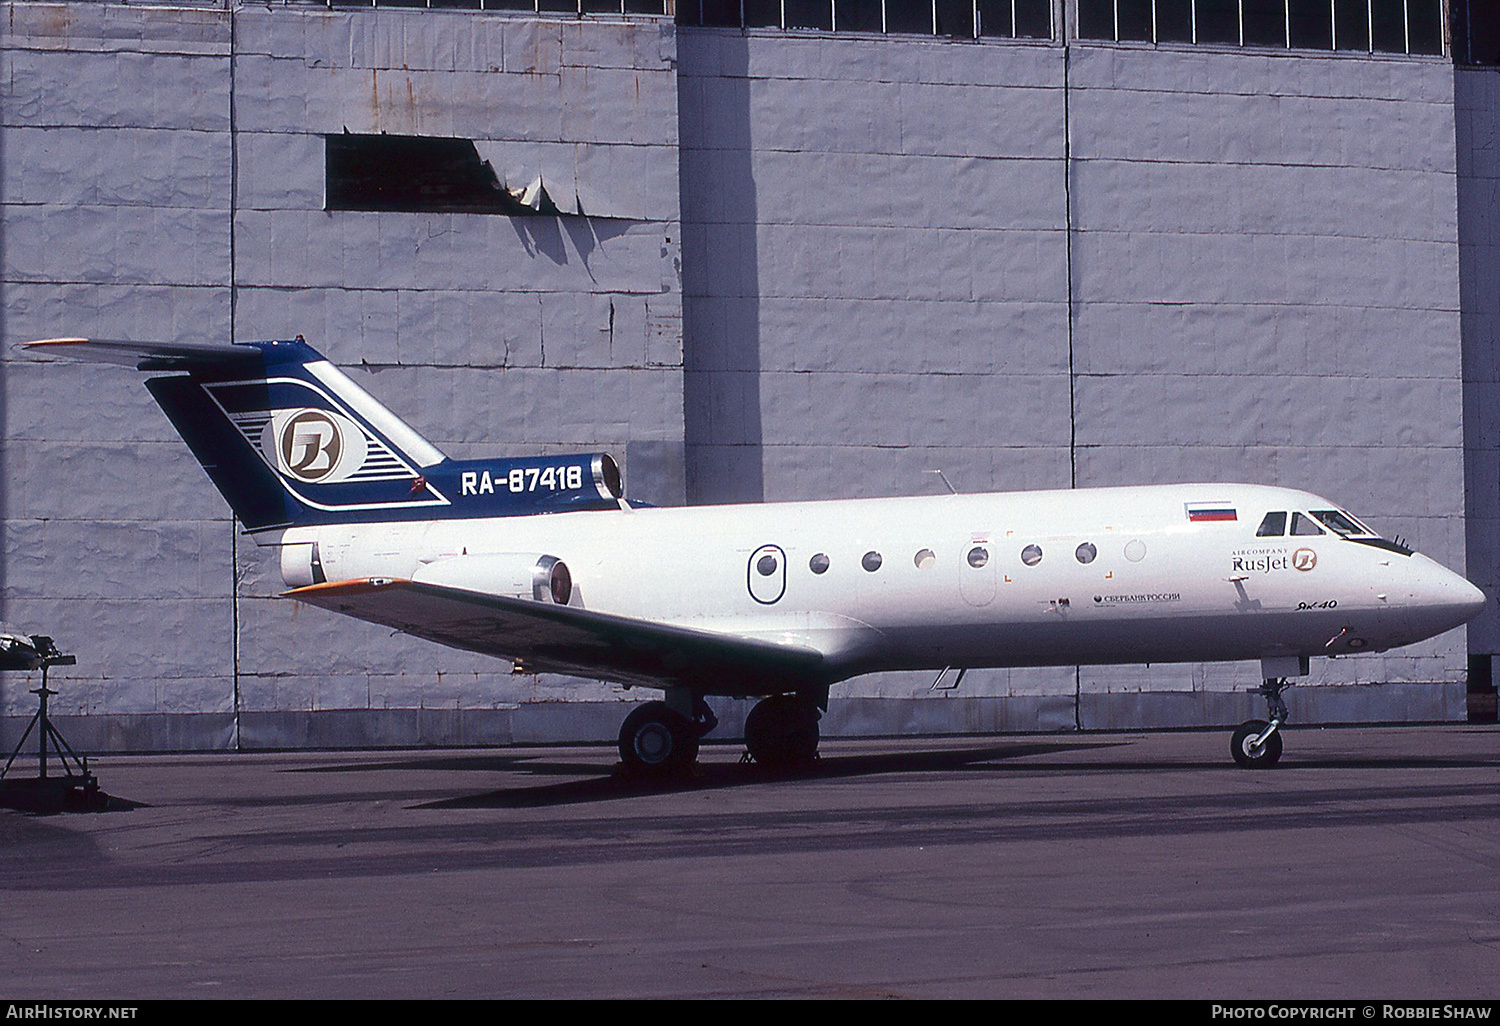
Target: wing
(565, 639)
(155, 356)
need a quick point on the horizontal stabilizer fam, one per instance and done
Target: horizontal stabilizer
(567, 639)
(292, 441)
(151, 356)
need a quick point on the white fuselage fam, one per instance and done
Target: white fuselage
(957, 583)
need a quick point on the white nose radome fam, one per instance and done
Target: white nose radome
(1441, 599)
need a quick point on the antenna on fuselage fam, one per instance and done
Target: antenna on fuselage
(944, 476)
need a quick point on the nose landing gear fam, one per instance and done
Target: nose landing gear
(1257, 743)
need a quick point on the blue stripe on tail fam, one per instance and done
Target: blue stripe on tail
(289, 440)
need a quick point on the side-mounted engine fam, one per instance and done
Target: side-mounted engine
(541, 578)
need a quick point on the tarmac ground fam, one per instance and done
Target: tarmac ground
(1366, 865)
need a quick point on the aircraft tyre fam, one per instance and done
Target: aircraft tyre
(1250, 756)
(781, 732)
(657, 742)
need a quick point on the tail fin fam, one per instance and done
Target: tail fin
(285, 435)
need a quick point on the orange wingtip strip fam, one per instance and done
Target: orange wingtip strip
(357, 586)
(56, 342)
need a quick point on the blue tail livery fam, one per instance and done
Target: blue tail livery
(291, 441)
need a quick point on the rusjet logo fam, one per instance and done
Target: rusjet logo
(314, 446)
(1265, 561)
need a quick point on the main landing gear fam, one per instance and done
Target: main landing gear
(660, 739)
(1257, 743)
(781, 732)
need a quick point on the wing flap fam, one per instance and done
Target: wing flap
(566, 639)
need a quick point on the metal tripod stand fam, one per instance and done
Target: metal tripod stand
(72, 789)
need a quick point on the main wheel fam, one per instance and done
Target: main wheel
(655, 741)
(781, 732)
(1249, 755)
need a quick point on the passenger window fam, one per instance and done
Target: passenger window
(924, 559)
(1086, 552)
(978, 556)
(1304, 525)
(818, 564)
(1274, 526)
(871, 562)
(1031, 555)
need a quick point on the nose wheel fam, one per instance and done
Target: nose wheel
(1256, 744)
(1249, 751)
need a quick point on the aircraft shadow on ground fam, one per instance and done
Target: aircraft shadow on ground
(468, 762)
(1288, 764)
(538, 764)
(709, 776)
(616, 784)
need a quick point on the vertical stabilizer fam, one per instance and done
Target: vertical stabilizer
(285, 436)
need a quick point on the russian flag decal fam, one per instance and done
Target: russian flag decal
(1210, 512)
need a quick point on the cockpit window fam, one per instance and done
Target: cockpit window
(1274, 526)
(1340, 522)
(1304, 525)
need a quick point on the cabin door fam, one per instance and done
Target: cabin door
(765, 574)
(976, 571)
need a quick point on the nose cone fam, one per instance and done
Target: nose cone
(1442, 599)
(1471, 601)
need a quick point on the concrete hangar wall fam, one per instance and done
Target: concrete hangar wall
(810, 263)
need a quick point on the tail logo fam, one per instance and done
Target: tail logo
(314, 446)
